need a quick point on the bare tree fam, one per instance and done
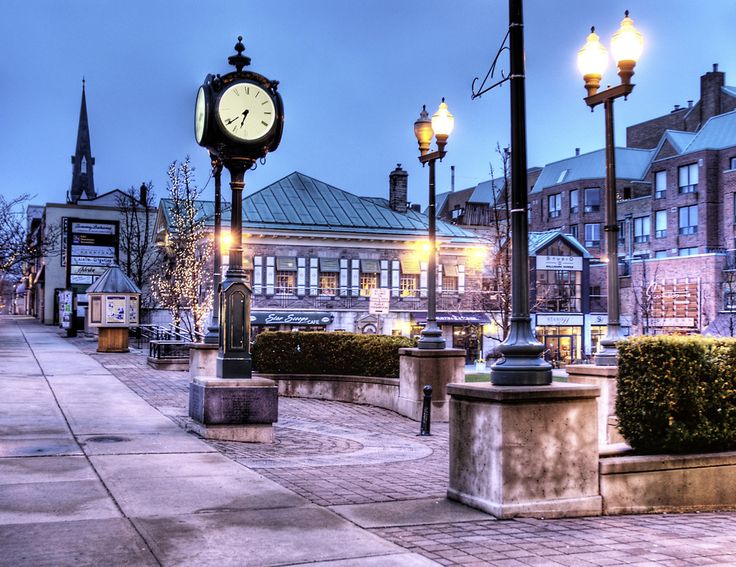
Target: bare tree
(497, 284)
(17, 246)
(646, 294)
(183, 283)
(139, 257)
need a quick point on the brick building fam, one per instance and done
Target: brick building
(676, 191)
(314, 252)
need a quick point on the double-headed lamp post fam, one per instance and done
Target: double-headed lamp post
(626, 46)
(440, 127)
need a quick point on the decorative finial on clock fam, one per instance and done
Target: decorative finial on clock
(239, 60)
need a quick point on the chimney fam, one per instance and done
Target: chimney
(677, 107)
(452, 179)
(710, 93)
(577, 151)
(689, 103)
(397, 189)
(144, 194)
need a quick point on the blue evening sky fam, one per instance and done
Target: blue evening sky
(353, 77)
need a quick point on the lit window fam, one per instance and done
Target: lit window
(409, 284)
(688, 178)
(285, 283)
(368, 281)
(328, 283)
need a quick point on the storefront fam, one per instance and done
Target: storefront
(561, 335)
(466, 330)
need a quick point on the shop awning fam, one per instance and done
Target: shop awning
(456, 318)
(329, 264)
(370, 266)
(285, 264)
(318, 318)
(410, 266)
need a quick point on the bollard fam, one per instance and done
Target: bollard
(426, 411)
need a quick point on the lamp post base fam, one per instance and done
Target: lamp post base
(213, 335)
(431, 337)
(522, 363)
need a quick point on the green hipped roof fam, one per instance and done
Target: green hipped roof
(300, 202)
(539, 240)
(113, 280)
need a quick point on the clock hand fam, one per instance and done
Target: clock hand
(245, 114)
(228, 122)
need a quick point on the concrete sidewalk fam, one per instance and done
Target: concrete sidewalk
(90, 474)
(96, 469)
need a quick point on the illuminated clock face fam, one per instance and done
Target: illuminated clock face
(199, 116)
(246, 111)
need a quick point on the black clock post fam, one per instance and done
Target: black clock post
(239, 119)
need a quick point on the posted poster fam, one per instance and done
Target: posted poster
(115, 309)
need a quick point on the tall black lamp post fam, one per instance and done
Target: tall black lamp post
(522, 363)
(626, 45)
(440, 127)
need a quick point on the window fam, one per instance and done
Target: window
(329, 269)
(729, 298)
(660, 224)
(688, 178)
(562, 175)
(689, 251)
(574, 231)
(554, 205)
(574, 201)
(733, 163)
(660, 254)
(734, 208)
(688, 219)
(285, 275)
(409, 284)
(642, 229)
(368, 281)
(285, 283)
(593, 235)
(592, 200)
(328, 283)
(449, 276)
(660, 184)
(621, 232)
(559, 291)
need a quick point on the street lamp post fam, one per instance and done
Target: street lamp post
(626, 45)
(213, 332)
(440, 127)
(522, 363)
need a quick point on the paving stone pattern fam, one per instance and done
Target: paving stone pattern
(314, 455)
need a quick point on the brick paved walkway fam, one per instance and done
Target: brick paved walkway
(333, 454)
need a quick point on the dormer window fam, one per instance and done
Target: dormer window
(563, 175)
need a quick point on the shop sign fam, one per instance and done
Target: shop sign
(672, 322)
(379, 302)
(559, 320)
(574, 263)
(291, 318)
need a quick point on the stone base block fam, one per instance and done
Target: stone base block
(525, 450)
(243, 433)
(247, 407)
(421, 367)
(168, 363)
(203, 359)
(605, 377)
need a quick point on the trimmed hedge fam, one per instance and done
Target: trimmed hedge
(285, 352)
(677, 394)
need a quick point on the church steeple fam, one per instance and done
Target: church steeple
(83, 180)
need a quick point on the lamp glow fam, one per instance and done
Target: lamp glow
(423, 131)
(592, 62)
(226, 240)
(442, 123)
(627, 43)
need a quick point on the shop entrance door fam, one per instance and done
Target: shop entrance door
(559, 348)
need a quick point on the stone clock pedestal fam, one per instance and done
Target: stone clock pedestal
(233, 409)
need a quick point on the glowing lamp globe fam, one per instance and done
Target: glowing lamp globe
(626, 45)
(592, 62)
(442, 123)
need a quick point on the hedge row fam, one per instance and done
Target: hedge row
(677, 394)
(285, 352)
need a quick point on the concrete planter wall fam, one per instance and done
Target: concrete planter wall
(668, 483)
(379, 392)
